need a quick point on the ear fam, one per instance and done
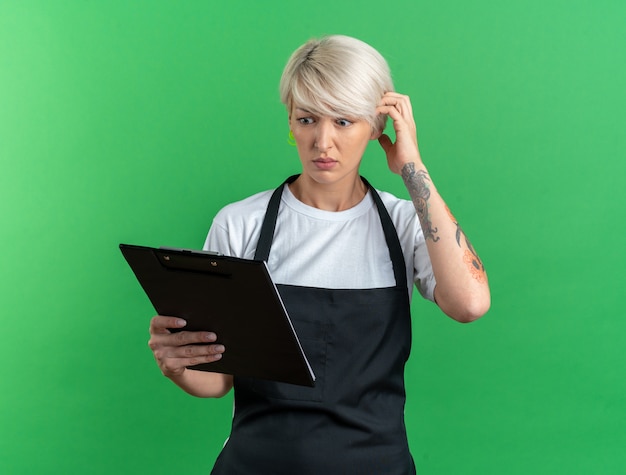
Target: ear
(375, 134)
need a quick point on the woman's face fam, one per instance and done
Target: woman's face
(330, 148)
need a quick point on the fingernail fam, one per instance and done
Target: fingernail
(180, 322)
(220, 348)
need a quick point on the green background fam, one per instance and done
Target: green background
(135, 121)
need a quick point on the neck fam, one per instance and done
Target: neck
(337, 196)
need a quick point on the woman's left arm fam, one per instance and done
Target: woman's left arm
(462, 290)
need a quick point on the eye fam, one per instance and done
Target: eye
(344, 122)
(305, 120)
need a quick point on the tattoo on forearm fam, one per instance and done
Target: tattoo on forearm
(474, 265)
(417, 184)
(470, 257)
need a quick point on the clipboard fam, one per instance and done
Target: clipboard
(233, 297)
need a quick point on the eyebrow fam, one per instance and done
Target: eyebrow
(336, 115)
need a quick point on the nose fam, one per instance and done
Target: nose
(324, 135)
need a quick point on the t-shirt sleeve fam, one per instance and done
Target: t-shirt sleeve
(217, 240)
(413, 243)
(423, 276)
(236, 227)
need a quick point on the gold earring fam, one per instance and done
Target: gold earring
(291, 139)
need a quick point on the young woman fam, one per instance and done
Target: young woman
(345, 258)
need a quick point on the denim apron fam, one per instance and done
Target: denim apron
(357, 342)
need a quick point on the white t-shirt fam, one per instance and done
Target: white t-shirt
(326, 249)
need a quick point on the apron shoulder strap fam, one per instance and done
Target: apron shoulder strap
(269, 222)
(391, 236)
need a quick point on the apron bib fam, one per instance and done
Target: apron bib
(352, 421)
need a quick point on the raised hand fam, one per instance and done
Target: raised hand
(405, 149)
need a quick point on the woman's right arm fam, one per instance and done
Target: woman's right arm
(174, 352)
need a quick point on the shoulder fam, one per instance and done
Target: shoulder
(244, 210)
(400, 210)
(235, 228)
(404, 218)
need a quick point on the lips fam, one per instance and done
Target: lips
(325, 163)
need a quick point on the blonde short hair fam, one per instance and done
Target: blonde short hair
(337, 76)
